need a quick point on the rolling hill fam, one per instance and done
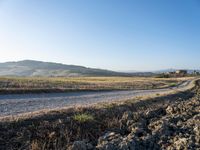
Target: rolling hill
(39, 68)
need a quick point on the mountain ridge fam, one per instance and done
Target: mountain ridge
(41, 68)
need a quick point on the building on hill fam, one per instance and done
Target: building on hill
(181, 72)
(195, 72)
(177, 73)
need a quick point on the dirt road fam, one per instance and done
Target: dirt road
(23, 103)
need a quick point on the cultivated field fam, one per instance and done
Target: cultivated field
(41, 84)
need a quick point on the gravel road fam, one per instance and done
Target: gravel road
(15, 104)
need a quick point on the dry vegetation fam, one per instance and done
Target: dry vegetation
(41, 84)
(168, 122)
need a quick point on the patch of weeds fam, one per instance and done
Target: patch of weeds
(83, 117)
(173, 84)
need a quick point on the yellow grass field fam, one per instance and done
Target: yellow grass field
(61, 84)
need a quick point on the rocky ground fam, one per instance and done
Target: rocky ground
(170, 122)
(176, 126)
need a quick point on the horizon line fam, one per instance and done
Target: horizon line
(117, 70)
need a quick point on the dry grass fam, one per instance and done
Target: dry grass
(43, 84)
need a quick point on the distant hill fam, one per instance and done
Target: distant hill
(39, 68)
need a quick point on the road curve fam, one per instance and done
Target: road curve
(22, 103)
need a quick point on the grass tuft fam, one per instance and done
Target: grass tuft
(83, 117)
(173, 84)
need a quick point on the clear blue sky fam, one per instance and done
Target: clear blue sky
(110, 34)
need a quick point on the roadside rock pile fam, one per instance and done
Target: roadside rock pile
(176, 126)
